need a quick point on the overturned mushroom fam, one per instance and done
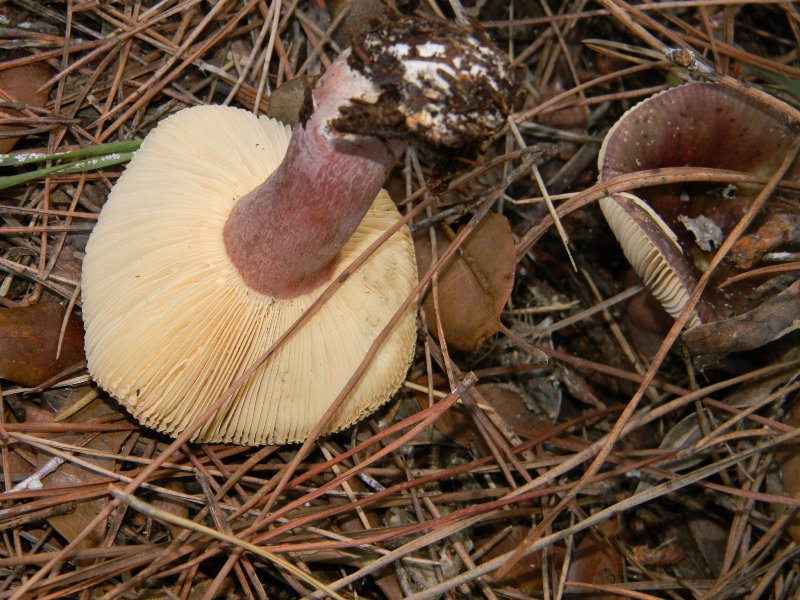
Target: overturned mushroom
(669, 233)
(225, 228)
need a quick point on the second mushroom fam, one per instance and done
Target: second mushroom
(668, 233)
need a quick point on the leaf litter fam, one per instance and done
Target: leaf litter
(447, 505)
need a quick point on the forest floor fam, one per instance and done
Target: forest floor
(557, 435)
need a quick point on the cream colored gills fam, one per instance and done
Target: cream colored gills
(171, 325)
(226, 230)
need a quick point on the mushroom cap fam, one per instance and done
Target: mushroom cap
(170, 323)
(697, 124)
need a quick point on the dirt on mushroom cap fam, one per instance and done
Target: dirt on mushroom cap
(442, 85)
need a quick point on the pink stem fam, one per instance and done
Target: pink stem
(284, 236)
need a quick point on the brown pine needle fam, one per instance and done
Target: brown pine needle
(168, 517)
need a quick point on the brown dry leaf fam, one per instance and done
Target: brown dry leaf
(357, 20)
(389, 585)
(755, 391)
(20, 85)
(289, 99)
(526, 575)
(475, 285)
(511, 408)
(596, 561)
(510, 415)
(789, 460)
(680, 436)
(710, 534)
(29, 340)
(23, 460)
(769, 321)
(98, 409)
(644, 319)
(172, 505)
(385, 578)
(578, 387)
(454, 424)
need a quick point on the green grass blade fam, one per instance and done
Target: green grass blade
(15, 159)
(88, 164)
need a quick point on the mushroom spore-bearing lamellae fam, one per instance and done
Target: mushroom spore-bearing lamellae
(226, 227)
(669, 232)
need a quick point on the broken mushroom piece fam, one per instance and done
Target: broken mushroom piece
(226, 227)
(668, 233)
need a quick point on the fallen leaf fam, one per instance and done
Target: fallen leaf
(170, 504)
(679, 437)
(474, 285)
(710, 534)
(358, 19)
(514, 415)
(578, 387)
(595, 560)
(644, 319)
(767, 322)
(29, 340)
(414, 577)
(98, 409)
(290, 99)
(666, 525)
(789, 461)
(573, 118)
(20, 85)
(503, 405)
(387, 581)
(43, 470)
(526, 575)
(755, 391)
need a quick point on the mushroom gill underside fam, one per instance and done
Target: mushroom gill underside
(699, 125)
(171, 326)
(648, 244)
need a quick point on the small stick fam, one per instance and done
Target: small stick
(34, 482)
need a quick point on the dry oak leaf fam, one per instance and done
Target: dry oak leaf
(526, 575)
(76, 410)
(596, 561)
(474, 285)
(506, 409)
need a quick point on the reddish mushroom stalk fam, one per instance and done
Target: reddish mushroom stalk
(408, 78)
(310, 206)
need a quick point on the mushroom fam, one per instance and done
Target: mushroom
(225, 227)
(668, 233)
